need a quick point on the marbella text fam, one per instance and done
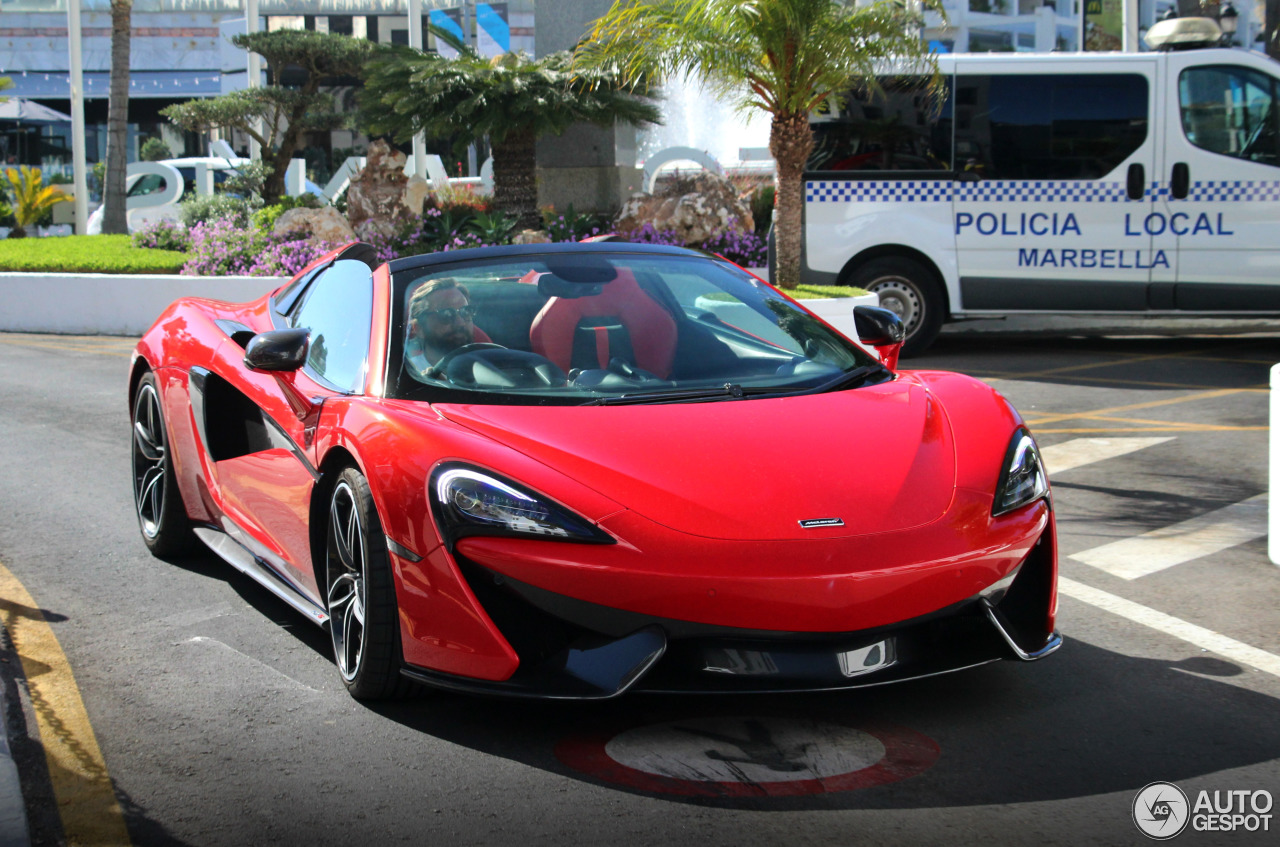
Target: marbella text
(1231, 811)
(1059, 224)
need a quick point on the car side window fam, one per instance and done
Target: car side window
(1230, 111)
(338, 310)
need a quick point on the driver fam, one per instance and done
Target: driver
(440, 321)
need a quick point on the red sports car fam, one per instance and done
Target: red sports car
(574, 470)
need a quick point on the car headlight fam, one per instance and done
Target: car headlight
(469, 501)
(1022, 477)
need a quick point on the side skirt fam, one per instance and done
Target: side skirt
(240, 558)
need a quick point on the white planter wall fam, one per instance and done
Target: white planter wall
(110, 304)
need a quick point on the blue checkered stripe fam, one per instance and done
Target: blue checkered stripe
(1224, 191)
(1029, 191)
(1040, 191)
(880, 191)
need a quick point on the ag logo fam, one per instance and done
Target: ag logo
(1161, 811)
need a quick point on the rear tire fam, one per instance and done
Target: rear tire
(908, 289)
(162, 516)
(364, 621)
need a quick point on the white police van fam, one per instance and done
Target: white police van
(1141, 183)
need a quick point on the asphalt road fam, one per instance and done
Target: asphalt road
(221, 720)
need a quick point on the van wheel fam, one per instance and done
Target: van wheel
(909, 290)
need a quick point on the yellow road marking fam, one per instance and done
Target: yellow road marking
(1102, 380)
(1150, 404)
(86, 798)
(46, 345)
(1122, 430)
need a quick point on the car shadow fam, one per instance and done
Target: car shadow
(1086, 721)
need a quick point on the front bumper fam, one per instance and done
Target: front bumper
(573, 649)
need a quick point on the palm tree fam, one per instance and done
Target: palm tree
(113, 199)
(782, 56)
(512, 98)
(31, 198)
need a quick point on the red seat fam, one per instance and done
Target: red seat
(649, 328)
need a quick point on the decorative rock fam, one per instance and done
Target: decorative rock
(377, 193)
(700, 207)
(323, 224)
(416, 191)
(531, 236)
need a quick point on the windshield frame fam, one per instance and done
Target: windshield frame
(404, 273)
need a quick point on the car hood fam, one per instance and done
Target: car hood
(878, 458)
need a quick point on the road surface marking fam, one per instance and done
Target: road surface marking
(77, 772)
(216, 644)
(1163, 548)
(1077, 452)
(1132, 407)
(749, 755)
(1082, 430)
(1207, 639)
(48, 345)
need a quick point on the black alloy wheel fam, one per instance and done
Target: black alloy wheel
(162, 517)
(363, 619)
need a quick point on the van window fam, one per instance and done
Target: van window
(1231, 111)
(904, 127)
(1048, 126)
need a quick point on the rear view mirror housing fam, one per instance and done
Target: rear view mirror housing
(278, 350)
(883, 330)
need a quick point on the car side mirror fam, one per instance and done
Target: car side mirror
(883, 330)
(278, 350)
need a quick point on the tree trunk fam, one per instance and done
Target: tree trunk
(515, 178)
(114, 220)
(790, 142)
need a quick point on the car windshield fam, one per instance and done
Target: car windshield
(607, 327)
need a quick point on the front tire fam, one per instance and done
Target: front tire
(363, 618)
(162, 516)
(909, 290)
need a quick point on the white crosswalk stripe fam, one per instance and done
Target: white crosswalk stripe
(1077, 452)
(1163, 548)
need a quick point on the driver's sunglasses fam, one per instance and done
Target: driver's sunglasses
(450, 315)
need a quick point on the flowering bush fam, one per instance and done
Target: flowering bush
(572, 226)
(742, 248)
(226, 248)
(164, 234)
(649, 234)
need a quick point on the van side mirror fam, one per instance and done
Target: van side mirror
(278, 350)
(883, 330)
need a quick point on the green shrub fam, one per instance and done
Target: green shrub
(154, 150)
(109, 254)
(266, 217)
(762, 208)
(202, 208)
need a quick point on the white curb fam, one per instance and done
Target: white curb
(110, 304)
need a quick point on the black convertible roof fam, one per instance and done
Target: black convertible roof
(615, 247)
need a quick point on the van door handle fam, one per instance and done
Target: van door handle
(967, 176)
(1180, 184)
(1137, 181)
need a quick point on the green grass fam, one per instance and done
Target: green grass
(101, 254)
(816, 292)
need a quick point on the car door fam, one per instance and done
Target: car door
(265, 461)
(1054, 161)
(1222, 180)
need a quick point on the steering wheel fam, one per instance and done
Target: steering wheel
(440, 368)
